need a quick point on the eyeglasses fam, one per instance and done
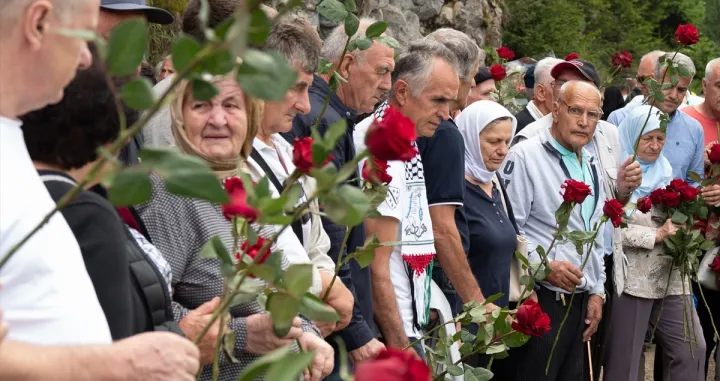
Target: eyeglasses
(578, 112)
(641, 79)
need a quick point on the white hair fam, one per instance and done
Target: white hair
(653, 56)
(679, 59)
(543, 69)
(715, 62)
(464, 48)
(11, 10)
(335, 42)
(416, 62)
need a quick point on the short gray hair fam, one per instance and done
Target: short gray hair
(543, 69)
(679, 59)
(654, 56)
(297, 40)
(710, 66)
(335, 42)
(10, 10)
(416, 62)
(464, 48)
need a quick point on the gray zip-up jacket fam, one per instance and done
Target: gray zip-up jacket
(533, 173)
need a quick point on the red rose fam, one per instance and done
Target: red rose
(393, 365)
(613, 209)
(505, 53)
(238, 206)
(497, 72)
(392, 137)
(254, 251)
(644, 204)
(689, 193)
(302, 155)
(678, 185)
(623, 59)
(657, 196)
(687, 34)
(572, 56)
(375, 172)
(714, 154)
(575, 191)
(671, 199)
(715, 264)
(531, 320)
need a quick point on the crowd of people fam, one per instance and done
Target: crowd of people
(120, 293)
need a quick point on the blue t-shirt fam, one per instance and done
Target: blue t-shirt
(580, 171)
(492, 239)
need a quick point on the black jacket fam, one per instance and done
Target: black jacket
(130, 289)
(523, 119)
(362, 328)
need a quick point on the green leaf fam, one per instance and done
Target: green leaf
(363, 43)
(365, 255)
(683, 71)
(376, 29)
(138, 94)
(389, 41)
(214, 248)
(352, 23)
(694, 176)
(203, 90)
(332, 10)
(324, 66)
(679, 218)
(334, 133)
(256, 368)
(249, 290)
(316, 310)
(707, 245)
(219, 63)
(478, 374)
(283, 308)
(524, 280)
(347, 205)
(291, 197)
(455, 370)
(516, 339)
(320, 152)
(266, 75)
(237, 35)
(291, 367)
(350, 6)
(703, 213)
(228, 346)
(263, 272)
(127, 46)
(260, 26)
(522, 258)
(492, 298)
(131, 186)
(298, 278)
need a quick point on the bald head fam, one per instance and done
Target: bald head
(646, 69)
(573, 89)
(576, 114)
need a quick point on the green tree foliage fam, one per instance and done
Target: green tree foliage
(596, 29)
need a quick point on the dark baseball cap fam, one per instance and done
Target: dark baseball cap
(529, 77)
(152, 14)
(583, 67)
(483, 75)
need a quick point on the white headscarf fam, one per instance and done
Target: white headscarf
(471, 122)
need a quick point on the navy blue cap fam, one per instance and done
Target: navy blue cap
(483, 75)
(529, 77)
(152, 14)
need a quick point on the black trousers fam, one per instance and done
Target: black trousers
(597, 342)
(713, 301)
(568, 360)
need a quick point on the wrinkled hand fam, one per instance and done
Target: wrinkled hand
(366, 352)
(340, 299)
(564, 275)
(323, 357)
(665, 231)
(711, 194)
(261, 338)
(629, 176)
(325, 327)
(158, 356)
(593, 317)
(195, 321)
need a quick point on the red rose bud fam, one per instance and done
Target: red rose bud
(375, 172)
(678, 185)
(253, 251)
(505, 53)
(575, 191)
(531, 320)
(687, 34)
(644, 204)
(393, 365)
(715, 264)
(657, 196)
(497, 72)
(302, 155)
(238, 206)
(689, 193)
(392, 137)
(613, 209)
(572, 56)
(714, 154)
(671, 199)
(623, 59)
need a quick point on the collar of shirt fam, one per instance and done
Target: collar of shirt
(321, 87)
(579, 170)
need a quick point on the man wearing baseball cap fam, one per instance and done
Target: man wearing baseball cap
(114, 12)
(621, 176)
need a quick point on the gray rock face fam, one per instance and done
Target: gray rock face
(412, 19)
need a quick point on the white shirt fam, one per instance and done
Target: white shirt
(46, 296)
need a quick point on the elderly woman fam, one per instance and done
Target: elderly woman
(643, 284)
(219, 131)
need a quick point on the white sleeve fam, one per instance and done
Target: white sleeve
(392, 206)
